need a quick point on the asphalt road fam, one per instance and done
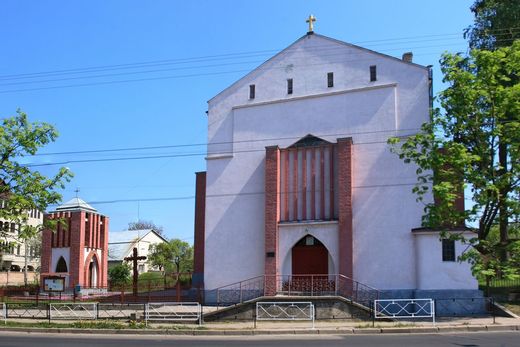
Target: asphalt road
(477, 339)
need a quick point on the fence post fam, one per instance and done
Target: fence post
(374, 308)
(96, 307)
(49, 311)
(493, 308)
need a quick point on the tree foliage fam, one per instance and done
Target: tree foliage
(496, 24)
(145, 224)
(172, 256)
(119, 274)
(481, 109)
(21, 187)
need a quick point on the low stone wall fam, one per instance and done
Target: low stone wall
(326, 308)
(16, 278)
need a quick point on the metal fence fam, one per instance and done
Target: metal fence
(4, 313)
(174, 311)
(120, 311)
(404, 308)
(73, 311)
(285, 311)
(27, 310)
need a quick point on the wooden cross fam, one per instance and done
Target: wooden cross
(134, 258)
(311, 21)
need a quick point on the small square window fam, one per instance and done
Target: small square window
(289, 86)
(251, 91)
(448, 250)
(330, 80)
(373, 73)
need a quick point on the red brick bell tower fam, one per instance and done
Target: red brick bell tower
(78, 249)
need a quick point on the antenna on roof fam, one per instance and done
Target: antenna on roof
(76, 191)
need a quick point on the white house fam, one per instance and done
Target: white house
(300, 178)
(121, 245)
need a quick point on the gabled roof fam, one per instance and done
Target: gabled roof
(75, 204)
(121, 242)
(322, 37)
(308, 141)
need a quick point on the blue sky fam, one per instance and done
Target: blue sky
(140, 73)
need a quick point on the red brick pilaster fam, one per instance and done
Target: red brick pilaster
(272, 211)
(77, 248)
(46, 248)
(199, 228)
(104, 228)
(345, 229)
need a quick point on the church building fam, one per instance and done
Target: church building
(78, 249)
(300, 179)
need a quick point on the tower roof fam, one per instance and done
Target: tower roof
(76, 204)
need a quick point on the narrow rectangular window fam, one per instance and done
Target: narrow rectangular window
(373, 73)
(251, 91)
(289, 86)
(330, 79)
(448, 250)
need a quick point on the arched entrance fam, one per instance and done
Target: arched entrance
(93, 273)
(310, 257)
(310, 268)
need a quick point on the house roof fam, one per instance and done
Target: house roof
(121, 242)
(339, 42)
(75, 204)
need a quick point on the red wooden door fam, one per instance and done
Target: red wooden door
(310, 260)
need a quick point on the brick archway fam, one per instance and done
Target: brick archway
(87, 272)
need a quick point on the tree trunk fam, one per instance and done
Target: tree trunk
(25, 266)
(503, 213)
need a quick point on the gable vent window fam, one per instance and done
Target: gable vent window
(373, 73)
(330, 80)
(448, 250)
(251, 91)
(289, 86)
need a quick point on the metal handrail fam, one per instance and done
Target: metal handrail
(255, 287)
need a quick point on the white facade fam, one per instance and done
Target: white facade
(384, 208)
(12, 258)
(121, 245)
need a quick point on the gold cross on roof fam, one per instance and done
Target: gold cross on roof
(311, 21)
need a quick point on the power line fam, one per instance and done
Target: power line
(434, 37)
(223, 142)
(208, 153)
(190, 59)
(159, 77)
(191, 197)
(437, 37)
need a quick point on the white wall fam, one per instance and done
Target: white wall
(384, 209)
(433, 273)
(56, 254)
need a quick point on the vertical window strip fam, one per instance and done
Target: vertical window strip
(373, 73)
(330, 79)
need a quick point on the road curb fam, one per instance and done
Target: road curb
(250, 332)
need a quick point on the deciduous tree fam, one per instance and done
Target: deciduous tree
(480, 112)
